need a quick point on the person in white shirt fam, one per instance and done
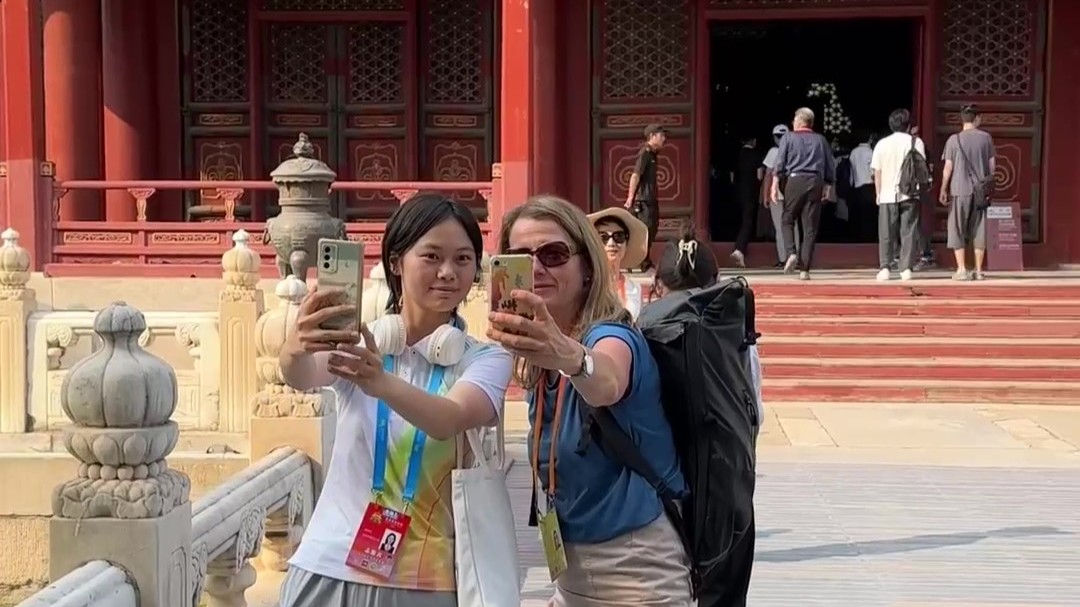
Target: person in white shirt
(898, 214)
(413, 381)
(776, 210)
(862, 208)
(625, 240)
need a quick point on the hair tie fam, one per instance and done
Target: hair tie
(687, 248)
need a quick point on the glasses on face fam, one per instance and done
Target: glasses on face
(616, 237)
(550, 255)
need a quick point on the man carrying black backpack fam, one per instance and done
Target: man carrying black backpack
(901, 178)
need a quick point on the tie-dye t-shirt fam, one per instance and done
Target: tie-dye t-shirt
(426, 558)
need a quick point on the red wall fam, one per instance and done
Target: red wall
(1061, 154)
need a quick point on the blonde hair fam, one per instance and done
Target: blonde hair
(601, 303)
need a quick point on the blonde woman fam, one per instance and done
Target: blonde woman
(579, 351)
(625, 241)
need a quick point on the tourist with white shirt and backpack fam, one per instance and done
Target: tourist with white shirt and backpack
(901, 178)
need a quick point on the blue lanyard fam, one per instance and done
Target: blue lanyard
(382, 437)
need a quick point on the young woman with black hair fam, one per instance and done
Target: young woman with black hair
(405, 386)
(689, 264)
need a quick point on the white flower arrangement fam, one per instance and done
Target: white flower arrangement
(835, 121)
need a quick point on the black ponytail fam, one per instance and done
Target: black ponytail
(687, 264)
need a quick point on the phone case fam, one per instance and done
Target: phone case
(341, 266)
(510, 272)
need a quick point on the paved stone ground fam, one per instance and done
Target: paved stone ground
(841, 535)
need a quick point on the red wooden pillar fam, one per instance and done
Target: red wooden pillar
(27, 199)
(515, 108)
(73, 110)
(128, 86)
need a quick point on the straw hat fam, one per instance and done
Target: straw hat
(637, 247)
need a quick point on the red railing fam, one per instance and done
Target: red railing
(171, 248)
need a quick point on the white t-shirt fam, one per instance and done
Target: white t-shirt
(861, 158)
(425, 559)
(770, 165)
(888, 158)
(631, 296)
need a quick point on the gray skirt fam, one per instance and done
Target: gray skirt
(305, 589)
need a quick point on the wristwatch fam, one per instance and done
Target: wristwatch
(586, 370)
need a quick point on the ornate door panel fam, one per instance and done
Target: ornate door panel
(377, 101)
(643, 75)
(993, 56)
(217, 127)
(456, 116)
(299, 91)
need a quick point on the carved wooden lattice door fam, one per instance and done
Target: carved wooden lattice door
(327, 80)
(993, 56)
(643, 76)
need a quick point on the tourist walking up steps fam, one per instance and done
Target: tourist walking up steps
(382, 534)
(901, 176)
(806, 172)
(776, 211)
(581, 351)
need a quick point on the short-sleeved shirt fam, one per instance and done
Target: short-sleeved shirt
(889, 155)
(645, 169)
(747, 163)
(425, 559)
(597, 498)
(770, 158)
(979, 147)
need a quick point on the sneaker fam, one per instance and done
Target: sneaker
(789, 265)
(979, 276)
(738, 258)
(925, 263)
(804, 275)
(905, 275)
(961, 275)
(884, 274)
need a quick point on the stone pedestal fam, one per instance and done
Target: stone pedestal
(312, 435)
(239, 308)
(155, 551)
(16, 304)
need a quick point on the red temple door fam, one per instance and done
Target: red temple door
(993, 55)
(388, 90)
(643, 74)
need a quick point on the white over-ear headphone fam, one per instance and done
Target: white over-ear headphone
(445, 346)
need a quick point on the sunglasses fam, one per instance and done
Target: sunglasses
(550, 255)
(616, 237)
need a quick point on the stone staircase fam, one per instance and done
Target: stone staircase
(1009, 341)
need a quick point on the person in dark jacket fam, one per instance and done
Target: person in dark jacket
(805, 164)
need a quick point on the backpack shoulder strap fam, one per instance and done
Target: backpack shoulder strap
(610, 437)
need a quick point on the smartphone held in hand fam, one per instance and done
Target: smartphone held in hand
(510, 273)
(341, 269)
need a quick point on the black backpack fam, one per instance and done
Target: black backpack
(915, 177)
(699, 340)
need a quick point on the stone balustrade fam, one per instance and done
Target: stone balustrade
(95, 584)
(228, 525)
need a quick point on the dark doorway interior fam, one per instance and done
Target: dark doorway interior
(763, 70)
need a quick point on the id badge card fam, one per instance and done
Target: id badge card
(551, 538)
(378, 541)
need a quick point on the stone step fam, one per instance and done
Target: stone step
(936, 308)
(772, 346)
(924, 368)
(904, 390)
(873, 326)
(921, 289)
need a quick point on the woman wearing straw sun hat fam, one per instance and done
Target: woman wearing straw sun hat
(625, 239)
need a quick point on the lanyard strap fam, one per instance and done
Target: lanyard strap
(382, 437)
(538, 427)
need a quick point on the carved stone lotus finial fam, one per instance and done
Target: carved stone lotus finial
(120, 399)
(303, 148)
(240, 264)
(14, 264)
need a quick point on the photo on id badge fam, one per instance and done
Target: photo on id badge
(378, 540)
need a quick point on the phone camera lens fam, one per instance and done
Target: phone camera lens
(495, 263)
(326, 257)
(326, 265)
